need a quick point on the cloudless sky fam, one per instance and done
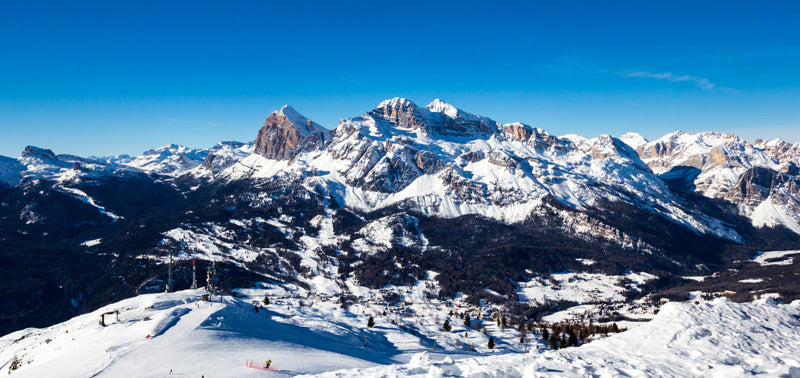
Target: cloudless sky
(113, 77)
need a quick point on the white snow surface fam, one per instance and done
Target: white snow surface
(780, 257)
(709, 339)
(186, 336)
(771, 214)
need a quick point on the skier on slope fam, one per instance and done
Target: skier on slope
(269, 362)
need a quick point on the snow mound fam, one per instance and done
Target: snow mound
(716, 339)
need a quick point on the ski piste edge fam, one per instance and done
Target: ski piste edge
(253, 365)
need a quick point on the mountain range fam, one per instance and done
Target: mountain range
(400, 194)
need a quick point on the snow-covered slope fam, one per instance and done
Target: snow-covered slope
(154, 335)
(10, 171)
(709, 339)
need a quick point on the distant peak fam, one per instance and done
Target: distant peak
(634, 140)
(397, 102)
(33, 151)
(439, 106)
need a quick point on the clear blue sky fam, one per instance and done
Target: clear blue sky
(120, 77)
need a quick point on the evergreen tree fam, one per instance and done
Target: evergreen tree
(266, 300)
(573, 340)
(371, 322)
(446, 327)
(522, 338)
(614, 328)
(467, 321)
(491, 342)
(553, 341)
(545, 334)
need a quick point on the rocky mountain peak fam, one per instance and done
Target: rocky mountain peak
(402, 113)
(284, 132)
(38, 152)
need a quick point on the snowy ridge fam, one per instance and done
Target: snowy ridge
(173, 158)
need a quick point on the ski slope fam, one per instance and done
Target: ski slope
(188, 336)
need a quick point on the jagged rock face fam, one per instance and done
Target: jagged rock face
(535, 137)
(780, 151)
(285, 133)
(401, 113)
(278, 139)
(757, 184)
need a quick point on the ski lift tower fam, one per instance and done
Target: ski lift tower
(169, 276)
(194, 275)
(211, 279)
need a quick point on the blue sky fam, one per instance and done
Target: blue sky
(121, 77)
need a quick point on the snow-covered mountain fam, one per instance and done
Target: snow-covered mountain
(445, 162)
(762, 179)
(177, 159)
(483, 211)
